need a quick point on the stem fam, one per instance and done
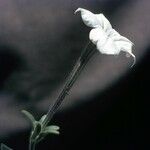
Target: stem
(81, 62)
(32, 145)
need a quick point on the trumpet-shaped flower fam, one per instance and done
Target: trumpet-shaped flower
(107, 40)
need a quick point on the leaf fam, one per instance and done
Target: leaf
(42, 118)
(29, 116)
(51, 129)
(4, 147)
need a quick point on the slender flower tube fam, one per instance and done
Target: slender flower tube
(107, 40)
(78, 67)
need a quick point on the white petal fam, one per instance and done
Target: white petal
(97, 34)
(104, 44)
(103, 22)
(108, 48)
(134, 59)
(117, 37)
(94, 20)
(88, 18)
(126, 45)
(122, 43)
(113, 34)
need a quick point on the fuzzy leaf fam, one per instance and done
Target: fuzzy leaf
(29, 116)
(51, 129)
(42, 118)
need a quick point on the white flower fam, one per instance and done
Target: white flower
(107, 40)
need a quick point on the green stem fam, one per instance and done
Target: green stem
(32, 145)
(81, 62)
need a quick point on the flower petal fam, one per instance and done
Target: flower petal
(103, 22)
(126, 45)
(94, 20)
(88, 18)
(97, 34)
(108, 48)
(117, 37)
(122, 43)
(113, 34)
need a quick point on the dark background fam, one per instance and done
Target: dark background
(39, 43)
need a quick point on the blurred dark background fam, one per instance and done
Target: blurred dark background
(108, 106)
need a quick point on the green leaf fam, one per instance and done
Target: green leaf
(4, 147)
(29, 116)
(51, 130)
(42, 118)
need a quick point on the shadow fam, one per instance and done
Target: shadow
(9, 62)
